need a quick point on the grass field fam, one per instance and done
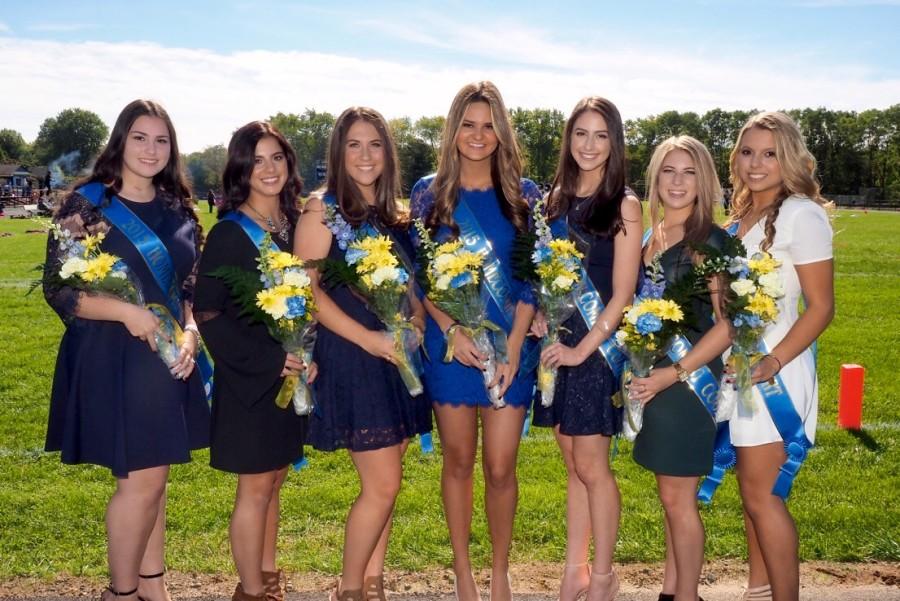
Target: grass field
(845, 499)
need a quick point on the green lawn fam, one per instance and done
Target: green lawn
(845, 499)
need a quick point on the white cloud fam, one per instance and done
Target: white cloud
(209, 94)
(4, 28)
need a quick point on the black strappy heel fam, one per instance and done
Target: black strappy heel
(119, 594)
(149, 577)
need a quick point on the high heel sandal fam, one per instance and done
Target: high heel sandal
(581, 593)
(758, 593)
(272, 584)
(373, 588)
(150, 577)
(109, 589)
(240, 595)
(345, 595)
(612, 588)
(456, 589)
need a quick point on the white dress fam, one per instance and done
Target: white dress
(802, 235)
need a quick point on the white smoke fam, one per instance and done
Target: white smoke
(61, 165)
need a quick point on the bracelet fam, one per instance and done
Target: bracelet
(449, 331)
(776, 361)
(195, 331)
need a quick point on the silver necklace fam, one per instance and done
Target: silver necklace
(281, 229)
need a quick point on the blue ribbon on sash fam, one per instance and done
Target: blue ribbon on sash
(786, 419)
(253, 230)
(495, 280)
(155, 255)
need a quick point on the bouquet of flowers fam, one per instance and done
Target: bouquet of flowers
(645, 334)
(452, 279)
(279, 295)
(753, 286)
(377, 275)
(557, 273)
(84, 266)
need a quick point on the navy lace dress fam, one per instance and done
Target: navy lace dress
(454, 383)
(361, 402)
(582, 404)
(114, 402)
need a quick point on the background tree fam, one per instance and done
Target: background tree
(205, 168)
(413, 153)
(13, 147)
(75, 132)
(308, 133)
(539, 132)
(429, 129)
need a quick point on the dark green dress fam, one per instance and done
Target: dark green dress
(678, 434)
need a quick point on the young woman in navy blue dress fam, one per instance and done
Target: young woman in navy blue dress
(481, 167)
(251, 436)
(114, 402)
(604, 220)
(362, 404)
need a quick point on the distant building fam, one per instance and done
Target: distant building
(19, 181)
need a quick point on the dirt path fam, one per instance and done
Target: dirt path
(722, 581)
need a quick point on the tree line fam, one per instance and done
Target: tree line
(857, 152)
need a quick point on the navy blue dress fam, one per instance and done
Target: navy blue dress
(361, 402)
(582, 403)
(114, 402)
(454, 383)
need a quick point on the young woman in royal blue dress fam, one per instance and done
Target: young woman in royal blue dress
(251, 436)
(604, 220)
(114, 402)
(481, 167)
(362, 404)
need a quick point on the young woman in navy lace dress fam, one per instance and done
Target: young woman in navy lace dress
(114, 402)
(604, 220)
(479, 168)
(362, 404)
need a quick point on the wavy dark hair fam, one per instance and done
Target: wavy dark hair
(172, 180)
(339, 183)
(240, 164)
(604, 211)
(506, 162)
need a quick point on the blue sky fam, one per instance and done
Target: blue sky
(217, 64)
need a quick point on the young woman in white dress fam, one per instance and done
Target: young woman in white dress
(779, 209)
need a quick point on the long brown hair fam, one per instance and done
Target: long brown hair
(240, 164)
(506, 162)
(798, 170)
(709, 192)
(172, 180)
(604, 213)
(339, 183)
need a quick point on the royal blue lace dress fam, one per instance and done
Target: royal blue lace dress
(582, 403)
(361, 402)
(114, 402)
(453, 383)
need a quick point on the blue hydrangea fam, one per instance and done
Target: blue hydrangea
(354, 255)
(540, 253)
(403, 277)
(737, 321)
(461, 280)
(752, 320)
(648, 324)
(296, 307)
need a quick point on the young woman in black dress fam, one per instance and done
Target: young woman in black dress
(604, 220)
(678, 433)
(114, 402)
(251, 436)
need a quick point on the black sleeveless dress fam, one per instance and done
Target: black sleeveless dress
(582, 403)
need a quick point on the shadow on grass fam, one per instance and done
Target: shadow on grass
(866, 439)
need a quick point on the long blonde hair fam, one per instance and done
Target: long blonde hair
(798, 169)
(506, 162)
(709, 192)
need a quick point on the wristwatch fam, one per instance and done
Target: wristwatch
(682, 373)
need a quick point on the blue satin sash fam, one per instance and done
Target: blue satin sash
(495, 281)
(155, 255)
(590, 306)
(786, 419)
(253, 230)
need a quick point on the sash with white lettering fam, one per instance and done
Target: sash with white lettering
(704, 385)
(590, 306)
(786, 419)
(495, 280)
(155, 255)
